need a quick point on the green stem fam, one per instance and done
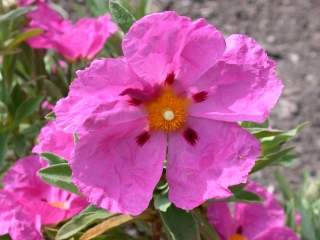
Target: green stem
(207, 231)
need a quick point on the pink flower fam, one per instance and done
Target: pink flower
(27, 203)
(46, 105)
(174, 98)
(251, 221)
(83, 39)
(52, 139)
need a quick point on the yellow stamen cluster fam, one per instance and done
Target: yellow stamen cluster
(237, 237)
(168, 111)
(61, 205)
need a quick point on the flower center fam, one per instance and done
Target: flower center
(168, 111)
(237, 236)
(61, 205)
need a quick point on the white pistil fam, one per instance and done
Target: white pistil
(168, 115)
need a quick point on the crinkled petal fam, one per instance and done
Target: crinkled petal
(243, 86)
(258, 217)
(15, 221)
(50, 22)
(278, 233)
(23, 228)
(23, 175)
(161, 43)
(86, 38)
(221, 219)
(96, 91)
(52, 139)
(37, 198)
(223, 156)
(115, 172)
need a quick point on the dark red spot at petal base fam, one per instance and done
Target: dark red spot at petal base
(191, 136)
(200, 96)
(239, 230)
(170, 79)
(143, 138)
(134, 102)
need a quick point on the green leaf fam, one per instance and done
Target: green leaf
(206, 229)
(27, 108)
(52, 159)
(121, 15)
(59, 175)
(80, 222)
(50, 116)
(143, 8)
(22, 37)
(179, 225)
(98, 7)
(161, 202)
(284, 186)
(241, 195)
(271, 159)
(3, 146)
(307, 228)
(249, 125)
(5, 237)
(14, 14)
(273, 143)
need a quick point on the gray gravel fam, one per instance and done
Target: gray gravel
(290, 31)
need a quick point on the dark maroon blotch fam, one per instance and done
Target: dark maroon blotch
(239, 230)
(143, 138)
(134, 102)
(170, 78)
(191, 136)
(200, 96)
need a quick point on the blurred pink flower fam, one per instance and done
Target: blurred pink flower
(251, 221)
(176, 95)
(27, 203)
(54, 140)
(82, 40)
(45, 105)
(61, 64)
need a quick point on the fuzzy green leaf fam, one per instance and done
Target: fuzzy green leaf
(80, 222)
(179, 224)
(59, 175)
(121, 15)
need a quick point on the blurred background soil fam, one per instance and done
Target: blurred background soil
(290, 31)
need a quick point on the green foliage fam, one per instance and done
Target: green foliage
(179, 225)
(121, 15)
(52, 159)
(80, 222)
(59, 175)
(305, 202)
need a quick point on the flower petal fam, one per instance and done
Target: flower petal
(221, 219)
(242, 86)
(161, 43)
(114, 171)
(52, 139)
(96, 90)
(15, 221)
(278, 233)
(258, 217)
(223, 156)
(86, 38)
(35, 197)
(23, 175)
(50, 22)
